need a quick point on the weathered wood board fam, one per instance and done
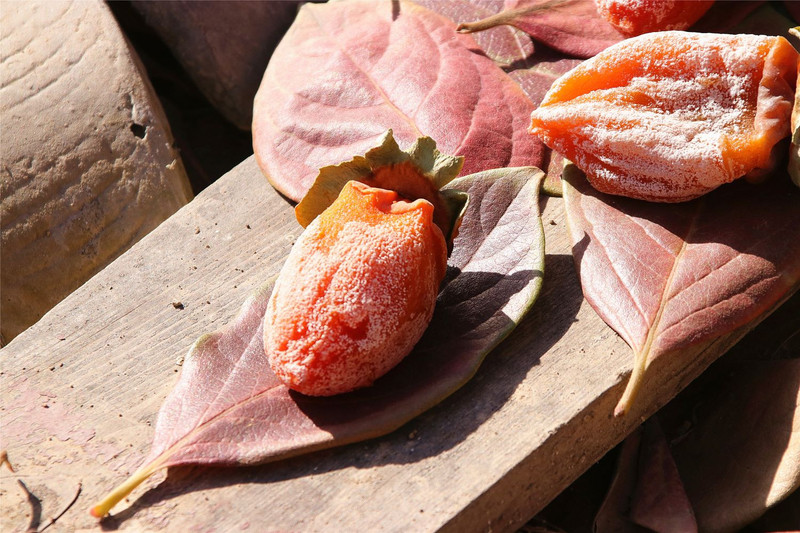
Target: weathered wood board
(81, 390)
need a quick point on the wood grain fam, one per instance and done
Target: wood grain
(87, 163)
(82, 387)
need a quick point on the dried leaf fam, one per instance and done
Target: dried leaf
(570, 26)
(347, 71)
(743, 454)
(667, 277)
(228, 408)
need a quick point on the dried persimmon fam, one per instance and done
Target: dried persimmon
(670, 116)
(635, 17)
(360, 284)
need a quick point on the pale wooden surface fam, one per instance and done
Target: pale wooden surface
(81, 390)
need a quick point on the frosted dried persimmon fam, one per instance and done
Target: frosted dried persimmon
(356, 293)
(635, 17)
(360, 284)
(669, 116)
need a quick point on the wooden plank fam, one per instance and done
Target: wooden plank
(82, 387)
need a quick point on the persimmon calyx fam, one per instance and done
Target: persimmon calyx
(420, 172)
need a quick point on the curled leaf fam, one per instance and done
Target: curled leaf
(228, 408)
(669, 276)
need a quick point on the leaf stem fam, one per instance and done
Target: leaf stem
(115, 496)
(508, 16)
(633, 386)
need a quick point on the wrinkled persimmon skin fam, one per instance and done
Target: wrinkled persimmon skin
(635, 17)
(670, 116)
(356, 292)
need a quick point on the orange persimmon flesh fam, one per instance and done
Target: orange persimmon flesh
(635, 17)
(669, 116)
(356, 292)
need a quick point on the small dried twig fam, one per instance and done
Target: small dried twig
(67, 508)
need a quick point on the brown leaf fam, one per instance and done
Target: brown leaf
(228, 408)
(669, 276)
(348, 71)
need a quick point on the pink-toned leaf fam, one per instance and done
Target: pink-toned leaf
(570, 26)
(668, 276)
(506, 45)
(346, 72)
(228, 408)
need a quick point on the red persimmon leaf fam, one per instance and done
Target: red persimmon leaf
(228, 408)
(570, 26)
(669, 276)
(534, 69)
(346, 72)
(506, 45)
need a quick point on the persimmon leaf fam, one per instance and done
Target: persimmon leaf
(228, 408)
(669, 276)
(348, 71)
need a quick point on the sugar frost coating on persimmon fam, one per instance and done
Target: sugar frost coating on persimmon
(356, 292)
(670, 116)
(635, 17)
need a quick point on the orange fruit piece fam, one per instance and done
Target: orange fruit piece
(669, 116)
(356, 292)
(635, 17)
